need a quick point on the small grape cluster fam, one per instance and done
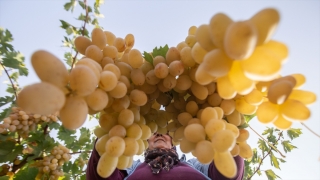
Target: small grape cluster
(23, 122)
(50, 166)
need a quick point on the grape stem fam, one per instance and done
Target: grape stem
(267, 141)
(13, 87)
(311, 130)
(82, 33)
(280, 134)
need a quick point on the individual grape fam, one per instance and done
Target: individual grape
(267, 112)
(176, 68)
(204, 152)
(198, 53)
(106, 165)
(279, 50)
(217, 63)
(239, 81)
(181, 45)
(161, 70)
(173, 54)
(214, 99)
(110, 52)
(49, 68)
(169, 82)
(220, 113)
(126, 118)
(245, 150)
(300, 80)
(179, 133)
(41, 98)
(192, 108)
(194, 133)
(120, 44)
(118, 130)
(225, 88)
(183, 82)
(217, 28)
(131, 147)
(282, 123)
(223, 141)
(115, 146)
(94, 66)
(207, 114)
(82, 80)
(134, 131)
(184, 118)
(234, 118)
(74, 112)
(158, 59)
(186, 146)
(255, 97)
(108, 80)
(225, 164)
(125, 68)
(294, 110)
(107, 121)
(81, 43)
(113, 68)
(244, 108)
(190, 40)
(94, 52)
(98, 38)
(135, 58)
(110, 37)
(279, 91)
(243, 135)
(203, 37)
(202, 76)
(192, 30)
(213, 126)
(123, 162)
(201, 92)
(97, 100)
(266, 22)
(120, 103)
(146, 131)
(129, 41)
(138, 77)
(186, 57)
(138, 97)
(151, 78)
(232, 128)
(240, 40)
(142, 147)
(101, 144)
(119, 91)
(306, 97)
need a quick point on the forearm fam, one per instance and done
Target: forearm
(213, 172)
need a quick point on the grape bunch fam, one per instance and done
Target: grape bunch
(50, 167)
(23, 122)
(199, 90)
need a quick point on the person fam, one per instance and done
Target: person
(162, 162)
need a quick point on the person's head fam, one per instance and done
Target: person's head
(161, 141)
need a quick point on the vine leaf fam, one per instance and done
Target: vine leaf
(148, 57)
(66, 135)
(287, 146)
(15, 60)
(274, 161)
(26, 172)
(294, 133)
(5, 39)
(4, 177)
(9, 151)
(5, 100)
(271, 175)
(161, 51)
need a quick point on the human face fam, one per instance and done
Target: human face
(161, 141)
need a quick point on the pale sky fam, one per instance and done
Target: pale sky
(35, 25)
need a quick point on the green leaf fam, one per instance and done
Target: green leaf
(64, 24)
(84, 136)
(271, 175)
(294, 133)
(287, 146)
(248, 171)
(9, 151)
(263, 146)
(67, 6)
(148, 57)
(54, 125)
(68, 58)
(5, 100)
(15, 60)
(274, 161)
(5, 113)
(26, 172)
(4, 177)
(255, 158)
(161, 51)
(66, 135)
(248, 118)
(5, 39)
(243, 126)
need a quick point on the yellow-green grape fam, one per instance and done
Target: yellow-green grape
(153, 126)
(134, 131)
(126, 118)
(223, 141)
(213, 126)
(101, 144)
(279, 91)
(186, 57)
(245, 108)
(99, 132)
(228, 106)
(267, 112)
(107, 121)
(121, 103)
(49, 68)
(214, 99)
(94, 52)
(279, 50)
(97, 100)
(245, 150)
(125, 68)
(261, 65)
(192, 30)
(146, 131)
(131, 148)
(173, 54)
(82, 80)
(243, 135)
(306, 97)
(158, 59)
(169, 82)
(282, 123)
(194, 133)
(151, 78)
(204, 152)
(233, 128)
(187, 146)
(118, 130)
(115, 146)
(184, 117)
(120, 44)
(203, 37)
(105, 61)
(217, 63)
(181, 45)
(239, 81)
(255, 97)
(190, 40)
(179, 133)
(235, 150)
(138, 97)
(219, 112)
(110, 37)
(119, 91)
(201, 92)
(106, 165)
(135, 58)
(225, 88)
(98, 38)
(110, 52)
(207, 114)
(137, 77)
(161, 70)
(266, 22)
(123, 162)
(136, 113)
(192, 108)
(300, 80)
(225, 164)
(294, 110)
(183, 82)
(81, 43)
(93, 65)
(141, 146)
(68, 117)
(198, 53)
(202, 76)
(234, 118)
(41, 98)
(217, 28)
(113, 68)
(240, 40)
(129, 41)
(176, 68)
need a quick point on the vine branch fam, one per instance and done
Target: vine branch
(13, 87)
(264, 157)
(80, 152)
(311, 130)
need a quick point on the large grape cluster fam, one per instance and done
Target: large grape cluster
(199, 90)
